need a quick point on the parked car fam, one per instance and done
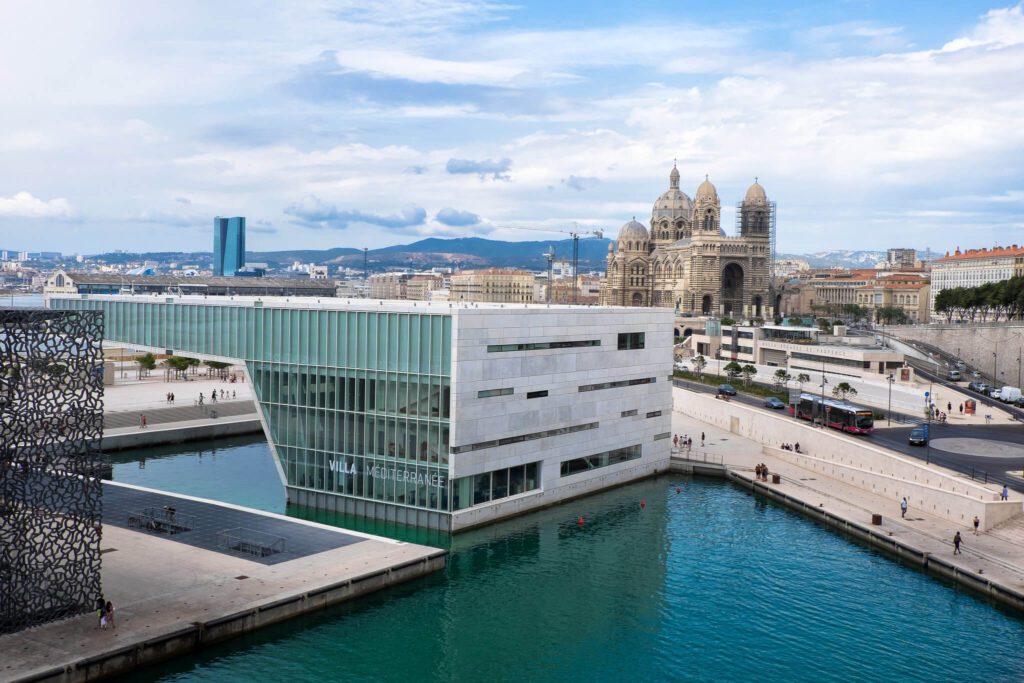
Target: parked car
(954, 376)
(726, 390)
(994, 393)
(1009, 394)
(682, 367)
(961, 365)
(917, 437)
(774, 403)
(975, 374)
(980, 387)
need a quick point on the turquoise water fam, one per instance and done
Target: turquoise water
(709, 583)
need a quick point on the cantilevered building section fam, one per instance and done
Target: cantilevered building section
(228, 246)
(440, 415)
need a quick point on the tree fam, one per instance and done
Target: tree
(728, 321)
(193, 363)
(218, 366)
(733, 369)
(802, 379)
(180, 364)
(699, 363)
(782, 378)
(843, 389)
(825, 325)
(748, 371)
(146, 362)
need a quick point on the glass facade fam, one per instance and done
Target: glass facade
(357, 403)
(604, 459)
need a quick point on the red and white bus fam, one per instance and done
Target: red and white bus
(837, 414)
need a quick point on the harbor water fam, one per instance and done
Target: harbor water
(666, 579)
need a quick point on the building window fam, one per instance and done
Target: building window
(537, 394)
(616, 385)
(628, 413)
(490, 486)
(539, 346)
(655, 413)
(593, 462)
(662, 436)
(523, 437)
(488, 393)
(631, 340)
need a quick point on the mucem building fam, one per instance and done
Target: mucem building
(51, 423)
(438, 415)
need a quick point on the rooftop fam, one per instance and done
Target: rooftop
(1012, 250)
(171, 280)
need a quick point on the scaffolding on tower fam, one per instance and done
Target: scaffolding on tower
(771, 233)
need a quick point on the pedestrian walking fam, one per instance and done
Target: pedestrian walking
(1006, 493)
(232, 394)
(200, 398)
(675, 441)
(172, 398)
(961, 408)
(956, 544)
(702, 439)
(100, 610)
(903, 507)
(110, 614)
(976, 523)
(142, 421)
(949, 407)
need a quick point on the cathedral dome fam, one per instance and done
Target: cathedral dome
(672, 204)
(755, 193)
(633, 233)
(706, 191)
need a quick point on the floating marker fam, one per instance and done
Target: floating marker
(580, 520)
(643, 504)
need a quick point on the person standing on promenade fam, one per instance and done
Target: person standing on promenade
(903, 507)
(956, 544)
(200, 398)
(1006, 493)
(949, 406)
(142, 421)
(675, 441)
(976, 523)
(702, 439)
(110, 614)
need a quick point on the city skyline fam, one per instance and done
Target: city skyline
(870, 125)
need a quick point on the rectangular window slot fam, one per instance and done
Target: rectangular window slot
(663, 435)
(654, 413)
(523, 437)
(598, 460)
(628, 413)
(540, 346)
(488, 393)
(616, 385)
(489, 486)
(537, 394)
(629, 341)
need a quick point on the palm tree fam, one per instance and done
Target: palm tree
(843, 389)
(699, 362)
(802, 379)
(782, 378)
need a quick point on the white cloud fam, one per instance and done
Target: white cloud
(24, 205)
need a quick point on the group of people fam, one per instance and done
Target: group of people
(685, 442)
(170, 397)
(105, 613)
(795, 447)
(215, 395)
(761, 471)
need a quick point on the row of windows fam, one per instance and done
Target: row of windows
(483, 488)
(616, 385)
(662, 436)
(628, 413)
(539, 346)
(592, 462)
(631, 340)
(654, 413)
(403, 342)
(524, 437)
(849, 362)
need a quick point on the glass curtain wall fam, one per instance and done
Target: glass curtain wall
(358, 403)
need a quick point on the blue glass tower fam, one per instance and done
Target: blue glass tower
(228, 245)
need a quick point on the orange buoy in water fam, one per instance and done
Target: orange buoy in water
(580, 520)
(643, 504)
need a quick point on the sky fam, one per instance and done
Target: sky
(871, 124)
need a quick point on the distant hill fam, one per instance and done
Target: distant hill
(843, 258)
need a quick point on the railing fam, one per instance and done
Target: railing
(251, 542)
(693, 455)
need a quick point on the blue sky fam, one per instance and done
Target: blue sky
(871, 124)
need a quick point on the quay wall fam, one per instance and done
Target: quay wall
(855, 460)
(158, 435)
(975, 342)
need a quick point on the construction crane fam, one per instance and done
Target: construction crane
(550, 256)
(575, 233)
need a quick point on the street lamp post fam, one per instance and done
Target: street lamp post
(891, 378)
(994, 357)
(824, 381)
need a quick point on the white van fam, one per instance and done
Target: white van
(1009, 394)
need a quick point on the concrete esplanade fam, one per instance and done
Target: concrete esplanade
(856, 461)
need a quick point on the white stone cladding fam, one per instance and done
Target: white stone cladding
(560, 372)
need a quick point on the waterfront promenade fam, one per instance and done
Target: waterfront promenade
(991, 562)
(175, 594)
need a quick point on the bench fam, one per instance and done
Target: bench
(250, 542)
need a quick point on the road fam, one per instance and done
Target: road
(983, 452)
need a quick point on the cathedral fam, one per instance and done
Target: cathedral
(686, 260)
